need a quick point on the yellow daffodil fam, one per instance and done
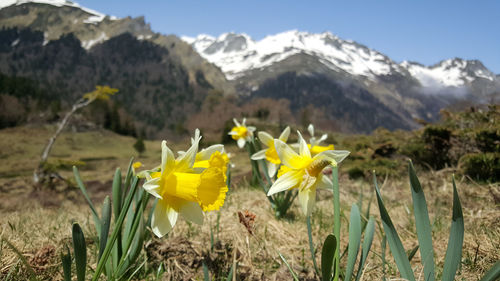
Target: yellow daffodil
(270, 154)
(314, 144)
(303, 171)
(241, 133)
(183, 189)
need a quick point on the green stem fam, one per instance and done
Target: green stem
(111, 242)
(336, 220)
(311, 246)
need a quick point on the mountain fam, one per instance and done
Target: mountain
(168, 84)
(344, 69)
(55, 18)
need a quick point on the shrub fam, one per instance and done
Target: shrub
(481, 166)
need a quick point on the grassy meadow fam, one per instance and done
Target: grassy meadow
(38, 222)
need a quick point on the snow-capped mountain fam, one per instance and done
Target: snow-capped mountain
(237, 54)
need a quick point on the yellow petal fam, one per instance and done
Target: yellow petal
(181, 185)
(289, 157)
(213, 189)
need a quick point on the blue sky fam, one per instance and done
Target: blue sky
(424, 31)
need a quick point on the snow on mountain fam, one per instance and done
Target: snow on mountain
(95, 17)
(237, 53)
(448, 73)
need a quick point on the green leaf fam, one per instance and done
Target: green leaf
(289, 267)
(393, 239)
(412, 253)
(311, 246)
(206, 276)
(367, 244)
(79, 182)
(80, 252)
(117, 193)
(423, 224)
(66, 264)
(492, 274)
(456, 240)
(106, 221)
(112, 240)
(231, 272)
(117, 207)
(327, 256)
(354, 241)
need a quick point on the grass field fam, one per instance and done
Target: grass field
(38, 222)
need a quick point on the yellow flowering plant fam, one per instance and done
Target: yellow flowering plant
(185, 188)
(241, 133)
(269, 154)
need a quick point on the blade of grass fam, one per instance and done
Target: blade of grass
(412, 253)
(79, 182)
(311, 246)
(393, 239)
(367, 244)
(456, 240)
(354, 241)
(423, 224)
(289, 267)
(230, 274)
(22, 258)
(80, 249)
(327, 256)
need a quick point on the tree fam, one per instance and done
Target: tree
(139, 146)
(41, 175)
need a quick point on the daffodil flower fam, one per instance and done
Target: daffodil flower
(304, 172)
(270, 154)
(180, 188)
(241, 133)
(314, 144)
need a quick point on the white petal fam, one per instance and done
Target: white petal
(337, 155)
(310, 128)
(185, 161)
(271, 169)
(286, 181)
(251, 129)
(192, 212)
(152, 187)
(207, 152)
(232, 133)
(324, 181)
(196, 135)
(303, 149)
(266, 138)
(163, 219)
(323, 138)
(284, 135)
(244, 121)
(259, 155)
(236, 122)
(287, 156)
(307, 198)
(167, 158)
(241, 142)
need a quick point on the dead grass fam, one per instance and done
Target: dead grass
(39, 223)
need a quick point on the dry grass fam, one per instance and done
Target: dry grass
(39, 223)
